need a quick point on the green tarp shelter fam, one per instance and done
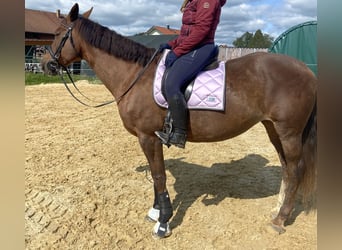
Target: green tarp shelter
(300, 42)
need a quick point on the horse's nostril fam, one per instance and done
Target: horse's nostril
(52, 66)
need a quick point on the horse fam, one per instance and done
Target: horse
(277, 90)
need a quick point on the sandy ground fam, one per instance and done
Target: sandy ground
(88, 185)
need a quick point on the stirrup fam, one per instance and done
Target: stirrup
(175, 138)
(164, 135)
(171, 136)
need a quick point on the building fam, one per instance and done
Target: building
(40, 26)
(158, 30)
(39, 32)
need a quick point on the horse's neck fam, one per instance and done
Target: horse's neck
(116, 74)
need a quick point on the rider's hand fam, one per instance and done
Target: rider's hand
(164, 46)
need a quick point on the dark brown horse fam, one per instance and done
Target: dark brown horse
(277, 90)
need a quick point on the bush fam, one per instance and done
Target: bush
(38, 78)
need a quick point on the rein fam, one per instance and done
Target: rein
(55, 56)
(76, 98)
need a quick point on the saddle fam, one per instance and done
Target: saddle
(206, 91)
(213, 64)
(187, 91)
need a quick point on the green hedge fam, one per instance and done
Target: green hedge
(39, 78)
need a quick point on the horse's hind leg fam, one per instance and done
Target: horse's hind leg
(292, 147)
(289, 148)
(161, 211)
(274, 138)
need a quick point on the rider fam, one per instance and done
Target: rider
(190, 53)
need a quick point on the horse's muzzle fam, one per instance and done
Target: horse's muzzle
(51, 67)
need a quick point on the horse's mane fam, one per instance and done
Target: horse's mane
(113, 43)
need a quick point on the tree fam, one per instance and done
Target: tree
(258, 40)
(243, 41)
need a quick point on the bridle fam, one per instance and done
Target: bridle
(54, 63)
(55, 56)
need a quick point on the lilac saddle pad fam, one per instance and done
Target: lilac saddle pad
(208, 90)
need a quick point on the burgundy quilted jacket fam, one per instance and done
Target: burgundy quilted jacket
(199, 23)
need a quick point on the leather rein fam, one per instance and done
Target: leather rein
(55, 57)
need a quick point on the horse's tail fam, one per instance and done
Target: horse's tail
(308, 161)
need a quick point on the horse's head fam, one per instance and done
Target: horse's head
(65, 49)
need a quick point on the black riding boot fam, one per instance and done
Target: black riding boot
(176, 123)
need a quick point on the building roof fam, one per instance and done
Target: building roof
(151, 41)
(158, 30)
(40, 26)
(41, 21)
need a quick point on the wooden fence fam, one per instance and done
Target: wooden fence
(227, 53)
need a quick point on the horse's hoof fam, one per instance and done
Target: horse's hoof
(161, 230)
(278, 229)
(158, 237)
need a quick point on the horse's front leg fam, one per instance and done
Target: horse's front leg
(161, 212)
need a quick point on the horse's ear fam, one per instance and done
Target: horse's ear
(87, 13)
(73, 14)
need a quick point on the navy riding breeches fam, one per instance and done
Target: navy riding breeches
(185, 69)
